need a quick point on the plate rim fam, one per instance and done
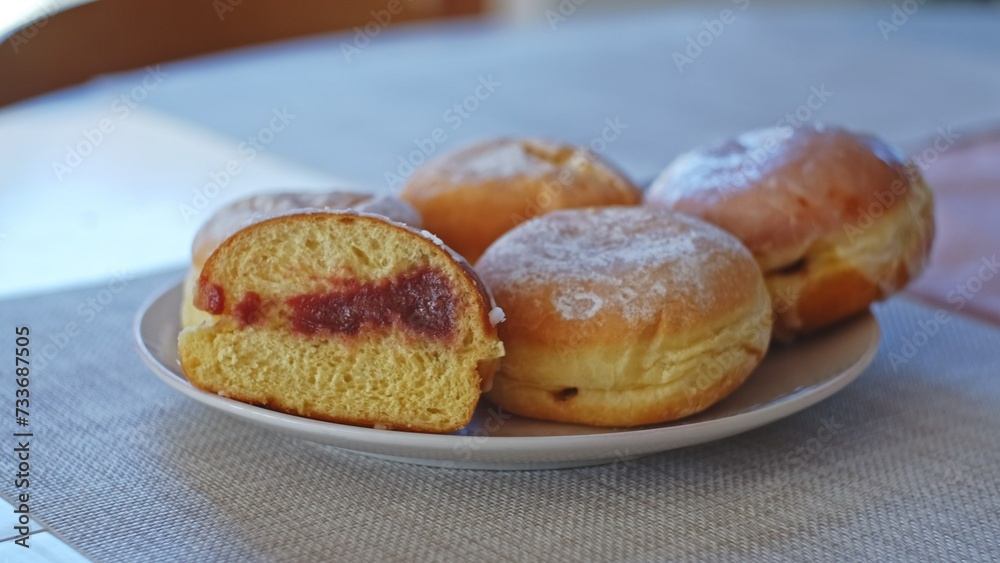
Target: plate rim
(755, 418)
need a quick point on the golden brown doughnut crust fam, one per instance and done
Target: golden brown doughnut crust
(835, 219)
(622, 316)
(472, 196)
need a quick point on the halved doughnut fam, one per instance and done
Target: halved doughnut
(244, 212)
(343, 317)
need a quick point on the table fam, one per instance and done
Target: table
(131, 471)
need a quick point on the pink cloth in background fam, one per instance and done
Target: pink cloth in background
(964, 272)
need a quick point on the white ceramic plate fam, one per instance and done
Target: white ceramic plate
(790, 379)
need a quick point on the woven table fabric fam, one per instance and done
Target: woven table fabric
(901, 465)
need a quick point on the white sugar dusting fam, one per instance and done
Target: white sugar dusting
(612, 257)
(503, 161)
(578, 305)
(729, 166)
(393, 208)
(432, 237)
(497, 316)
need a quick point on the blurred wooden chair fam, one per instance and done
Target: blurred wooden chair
(71, 46)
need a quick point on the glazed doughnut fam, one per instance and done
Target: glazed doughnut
(623, 316)
(244, 212)
(343, 317)
(472, 196)
(835, 219)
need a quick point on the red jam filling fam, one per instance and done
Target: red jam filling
(210, 297)
(247, 311)
(421, 301)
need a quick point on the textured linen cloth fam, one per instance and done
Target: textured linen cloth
(900, 465)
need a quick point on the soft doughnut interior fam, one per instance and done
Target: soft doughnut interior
(344, 318)
(244, 212)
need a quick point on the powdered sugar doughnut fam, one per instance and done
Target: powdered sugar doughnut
(623, 316)
(472, 196)
(836, 219)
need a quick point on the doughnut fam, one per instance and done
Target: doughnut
(344, 317)
(472, 196)
(835, 219)
(241, 213)
(623, 316)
